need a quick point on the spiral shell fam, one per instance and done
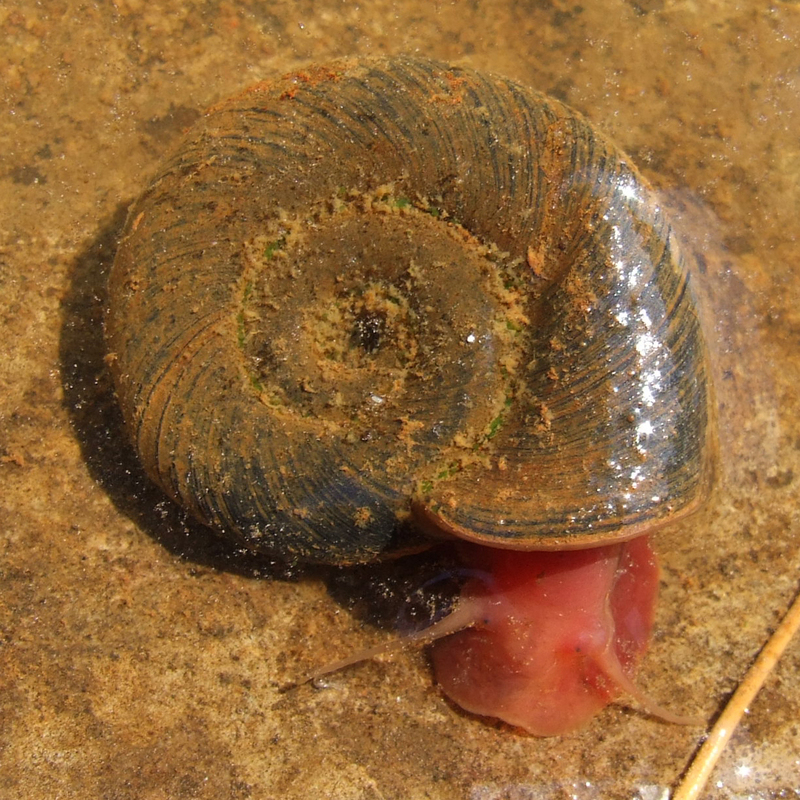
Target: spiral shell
(391, 295)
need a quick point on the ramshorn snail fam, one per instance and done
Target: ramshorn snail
(392, 298)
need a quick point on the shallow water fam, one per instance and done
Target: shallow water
(142, 658)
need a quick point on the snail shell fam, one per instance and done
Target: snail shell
(394, 294)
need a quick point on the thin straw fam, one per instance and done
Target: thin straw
(704, 762)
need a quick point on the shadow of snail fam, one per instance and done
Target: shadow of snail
(383, 301)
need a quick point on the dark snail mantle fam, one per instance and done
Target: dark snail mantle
(387, 296)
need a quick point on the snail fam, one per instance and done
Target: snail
(385, 302)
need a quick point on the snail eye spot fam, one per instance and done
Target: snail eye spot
(368, 331)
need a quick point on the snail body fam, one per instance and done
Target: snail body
(555, 641)
(390, 299)
(543, 640)
(552, 637)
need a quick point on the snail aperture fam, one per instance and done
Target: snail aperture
(390, 295)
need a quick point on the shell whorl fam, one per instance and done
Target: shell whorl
(393, 293)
